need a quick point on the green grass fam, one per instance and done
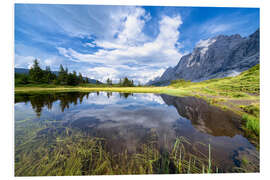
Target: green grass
(251, 117)
(219, 92)
(252, 109)
(252, 123)
(243, 85)
(90, 89)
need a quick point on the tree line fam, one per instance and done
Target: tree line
(122, 82)
(38, 76)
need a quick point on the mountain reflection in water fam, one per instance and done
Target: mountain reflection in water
(125, 121)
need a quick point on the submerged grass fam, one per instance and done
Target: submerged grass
(78, 154)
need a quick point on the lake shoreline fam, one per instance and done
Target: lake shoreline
(221, 101)
(226, 103)
(137, 120)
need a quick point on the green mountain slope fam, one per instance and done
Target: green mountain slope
(240, 94)
(245, 84)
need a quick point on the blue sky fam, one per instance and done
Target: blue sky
(116, 41)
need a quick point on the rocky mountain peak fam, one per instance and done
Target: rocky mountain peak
(216, 57)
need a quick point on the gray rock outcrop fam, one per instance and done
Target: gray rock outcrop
(216, 57)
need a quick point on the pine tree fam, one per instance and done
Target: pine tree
(127, 82)
(120, 82)
(80, 78)
(75, 78)
(36, 73)
(63, 75)
(24, 79)
(109, 81)
(48, 76)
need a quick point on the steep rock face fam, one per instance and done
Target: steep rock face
(217, 57)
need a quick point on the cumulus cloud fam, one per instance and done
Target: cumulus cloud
(27, 61)
(130, 45)
(132, 27)
(99, 41)
(102, 73)
(23, 61)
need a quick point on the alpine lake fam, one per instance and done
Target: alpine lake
(99, 133)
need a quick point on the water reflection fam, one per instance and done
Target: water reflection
(125, 120)
(208, 119)
(40, 101)
(125, 95)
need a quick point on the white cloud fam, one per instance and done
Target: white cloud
(102, 73)
(127, 29)
(132, 30)
(52, 61)
(90, 44)
(152, 98)
(145, 76)
(219, 28)
(27, 61)
(64, 52)
(23, 61)
(218, 25)
(129, 44)
(204, 44)
(142, 75)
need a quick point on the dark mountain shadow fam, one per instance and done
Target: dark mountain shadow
(204, 117)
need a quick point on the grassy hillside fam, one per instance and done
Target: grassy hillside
(240, 94)
(243, 85)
